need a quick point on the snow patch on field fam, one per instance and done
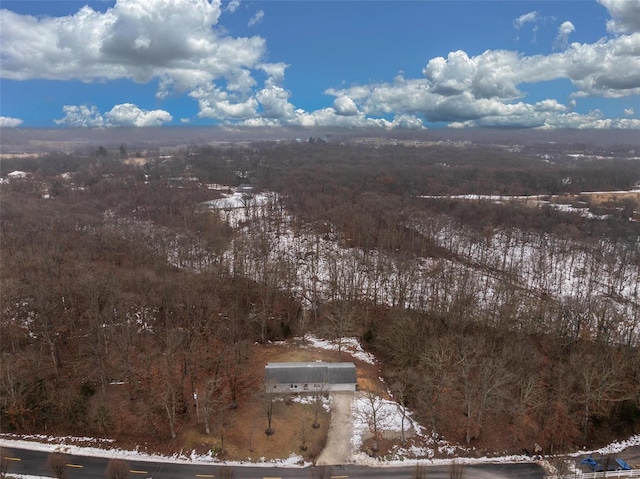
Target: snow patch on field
(389, 417)
(318, 267)
(58, 439)
(59, 445)
(22, 476)
(389, 414)
(349, 345)
(310, 400)
(237, 199)
(613, 448)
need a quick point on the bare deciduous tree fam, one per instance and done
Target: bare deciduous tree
(212, 402)
(303, 436)
(400, 386)
(374, 414)
(317, 403)
(341, 322)
(268, 399)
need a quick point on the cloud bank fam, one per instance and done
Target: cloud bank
(625, 15)
(140, 40)
(178, 44)
(484, 90)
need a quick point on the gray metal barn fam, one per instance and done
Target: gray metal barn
(309, 377)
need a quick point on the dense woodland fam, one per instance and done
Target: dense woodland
(499, 324)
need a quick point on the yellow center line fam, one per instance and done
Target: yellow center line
(133, 471)
(12, 458)
(271, 477)
(77, 466)
(338, 477)
(205, 475)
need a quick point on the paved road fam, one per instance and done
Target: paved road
(23, 461)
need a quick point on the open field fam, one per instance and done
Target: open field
(613, 196)
(244, 427)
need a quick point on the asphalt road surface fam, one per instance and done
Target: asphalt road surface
(23, 461)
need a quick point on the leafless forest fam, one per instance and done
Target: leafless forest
(500, 320)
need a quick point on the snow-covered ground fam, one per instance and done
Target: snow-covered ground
(348, 345)
(325, 401)
(500, 268)
(318, 267)
(613, 448)
(66, 445)
(236, 207)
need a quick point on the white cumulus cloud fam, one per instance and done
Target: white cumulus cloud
(219, 104)
(126, 114)
(562, 38)
(629, 111)
(343, 105)
(625, 15)
(532, 116)
(141, 40)
(486, 89)
(274, 71)
(179, 44)
(81, 116)
(9, 122)
(275, 103)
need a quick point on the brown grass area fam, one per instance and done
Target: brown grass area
(606, 197)
(245, 436)
(605, 200)
(596, 198)
(366, 384)
(136, 161)
(245, 426)
(7, 156)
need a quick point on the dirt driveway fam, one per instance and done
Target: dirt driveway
(338, 448)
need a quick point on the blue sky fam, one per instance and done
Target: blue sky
(387, 64)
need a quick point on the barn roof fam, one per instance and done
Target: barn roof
(314, 372)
